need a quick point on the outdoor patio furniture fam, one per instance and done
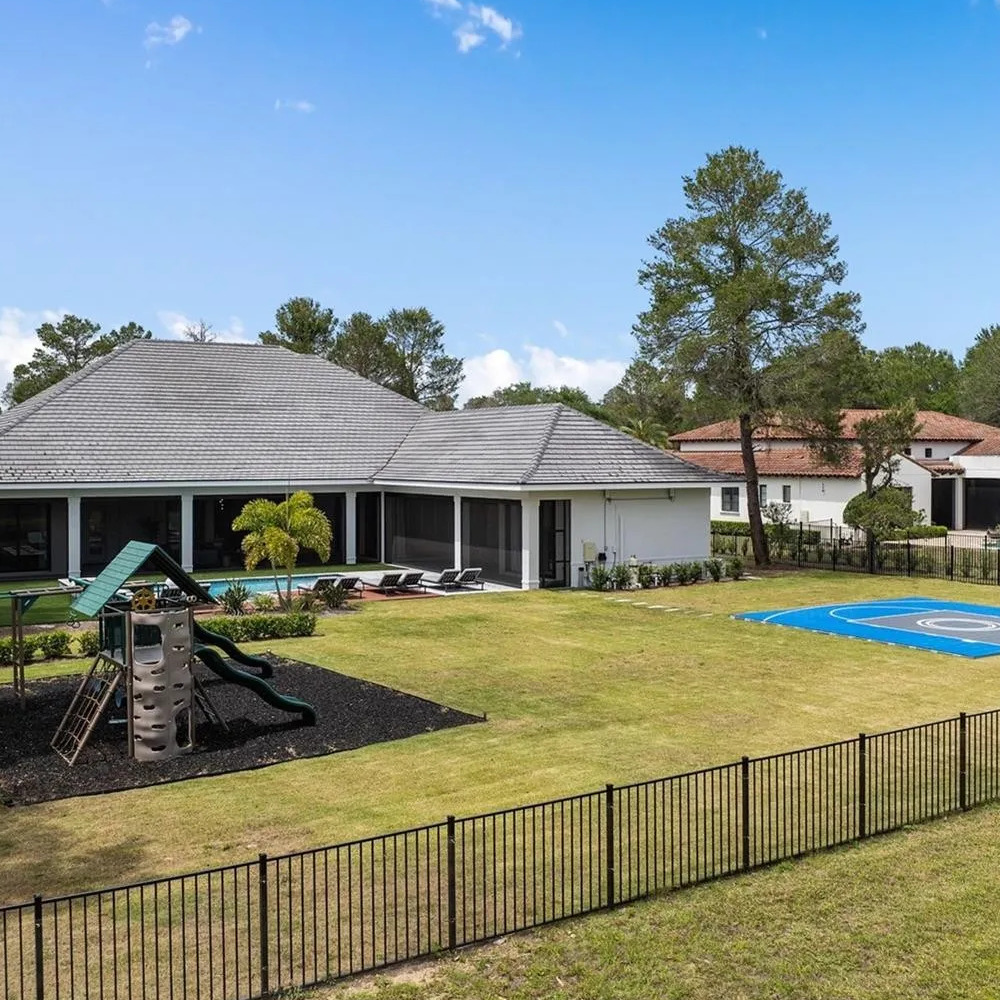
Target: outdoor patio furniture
(447, 579)
(350, 585)
(320, 583)
(385, 583)
(470, 578)
(412, 580)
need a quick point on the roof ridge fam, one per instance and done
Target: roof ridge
(17, 414)
(420, 417)
(557, 412)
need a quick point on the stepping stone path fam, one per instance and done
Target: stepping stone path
(645, 604)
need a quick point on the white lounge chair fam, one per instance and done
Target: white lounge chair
(447, 579)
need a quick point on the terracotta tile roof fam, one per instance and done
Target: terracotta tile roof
(934, 427)
(777, 462)
(987, 446)
(939, 466)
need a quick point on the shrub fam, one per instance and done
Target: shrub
(735, 568)
(333, 596)
(621, 576)
(251, 628)
(918, 531)
(714, 569)
(600, 577)
(89, 642)
(664, 574)
(264, 602)
(234, 598)
(54, 645)
(647, 575)
(741, 529)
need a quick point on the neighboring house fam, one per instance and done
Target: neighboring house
(164, 441)
(952, 468)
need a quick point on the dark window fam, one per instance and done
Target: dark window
(786, 494)
(368, 516)
(554, 543)
(25, 537)
(907, 451)
(730, 499)
(491, 539)
(928, 452)
(762, 490)
(420, 531)
(109, 524)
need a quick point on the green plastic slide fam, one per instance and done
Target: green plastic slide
(211, 658)
(233, 651)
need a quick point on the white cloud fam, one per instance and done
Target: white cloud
(539, 366)
(560, 328)
(175, 323)
(501, 26)
(303, 107)
(468, 38)
(473, 23)
(174, 31)
(17, 336)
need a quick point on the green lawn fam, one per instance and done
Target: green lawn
(811, 930)
(55, 608)
(579, 691)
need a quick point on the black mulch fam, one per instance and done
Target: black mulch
(351, 713)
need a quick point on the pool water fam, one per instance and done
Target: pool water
(257, 584)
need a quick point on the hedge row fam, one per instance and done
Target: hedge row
(810, 536)
(47, 646)
(920, 531)
(249, 628)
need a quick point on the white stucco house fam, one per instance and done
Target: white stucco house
(164, 441)
(952, 468)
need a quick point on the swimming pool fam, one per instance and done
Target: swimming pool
(258, 584)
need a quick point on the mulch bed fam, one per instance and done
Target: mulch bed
(351, 713)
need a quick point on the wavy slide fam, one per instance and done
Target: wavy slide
(233, 651)
(252, 682)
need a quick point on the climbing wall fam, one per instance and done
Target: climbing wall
(162, 722)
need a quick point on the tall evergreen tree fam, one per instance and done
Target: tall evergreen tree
(424, 371)
(302, 325)
(979, 380)
(744, 277)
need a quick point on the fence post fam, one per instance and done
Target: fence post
(39, 957)
(798, 553)
(609, 842)
(745, 810)
(265, 972)
(862, 786)
(963, 761)
(951, 560)
(452, 893)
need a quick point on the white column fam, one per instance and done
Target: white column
(351, 527)
(529, 543)
(381, 527)
(457, 561)
(959, 503)
(187, 531)
(73, 536)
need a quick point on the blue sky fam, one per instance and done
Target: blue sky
(182, 159)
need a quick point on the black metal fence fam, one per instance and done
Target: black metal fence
(280, 922)
(846, 550)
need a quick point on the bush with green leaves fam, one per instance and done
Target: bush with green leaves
(600, 577)
(714, 569)
(735, 568)
(918, 531)
(53, 645)
(88, 642)
(333, 595)
(741, 529)
(254, 627)
(263, 602)
(664, 574)
(233, 600)
(621, 576)
(646, 574)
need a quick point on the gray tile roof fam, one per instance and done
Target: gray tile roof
(175, 412)
(546, 444)
(172, 411)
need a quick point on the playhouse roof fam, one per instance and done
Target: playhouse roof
(124, 566)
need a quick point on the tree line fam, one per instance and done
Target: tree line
(403, 350)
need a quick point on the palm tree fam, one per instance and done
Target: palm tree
(275, 532)
(649, 431)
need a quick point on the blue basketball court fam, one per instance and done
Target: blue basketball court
(942, 626)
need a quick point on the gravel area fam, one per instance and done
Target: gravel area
(351, 713)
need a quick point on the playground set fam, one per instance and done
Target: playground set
(149, 640)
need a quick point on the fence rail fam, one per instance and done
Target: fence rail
(248, 930)
(846, 550)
